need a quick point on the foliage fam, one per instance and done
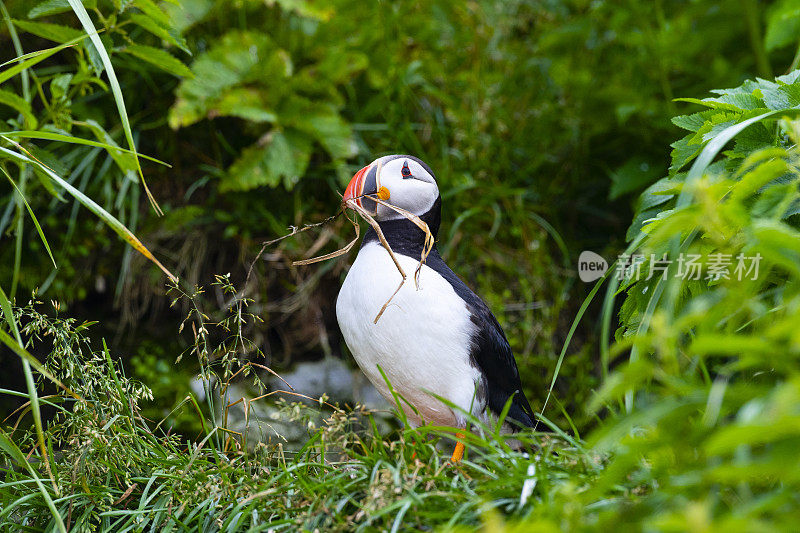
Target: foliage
(694, 423)
(708, 398)
(505, 100)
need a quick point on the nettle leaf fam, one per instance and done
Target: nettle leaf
(150, 9)
(691, 122)
(639, 221)
(59, 86)
(748, 87)
(660, 192)
(239, 57)
(147, 23)
(283, 155)
(22, 106)
(713, 128)
(94, 56)
(736, 101)
(682, 153)
(53, 7)
(793, 209)
(244, 102)
(789, 78)
(160, 58)
(781, 96)
(53, 32)
(323, 123)
(752, 139)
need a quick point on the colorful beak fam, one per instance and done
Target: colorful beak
(363, 184)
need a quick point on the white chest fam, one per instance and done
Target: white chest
(422, 340)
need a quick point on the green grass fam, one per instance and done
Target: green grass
(111, 469)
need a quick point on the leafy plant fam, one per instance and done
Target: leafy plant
(705, 404)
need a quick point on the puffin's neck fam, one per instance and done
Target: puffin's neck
(403, 235)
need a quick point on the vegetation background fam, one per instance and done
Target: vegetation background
(550, 127)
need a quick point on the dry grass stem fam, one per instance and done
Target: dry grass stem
(353, 204)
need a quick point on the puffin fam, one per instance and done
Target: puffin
(436, 338)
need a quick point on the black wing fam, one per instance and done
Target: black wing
(491, 352)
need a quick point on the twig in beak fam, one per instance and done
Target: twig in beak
(363, 212)
(337, 253)
(421, 224)
(295, 231)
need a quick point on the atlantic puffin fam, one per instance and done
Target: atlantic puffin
(436, 337)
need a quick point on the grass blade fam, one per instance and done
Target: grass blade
(37, 415)
(50, 136)
(109, 219)
(33, 217)
(8, 446)
(83, 16)
(31, 59)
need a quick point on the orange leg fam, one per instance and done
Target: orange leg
(458, 453)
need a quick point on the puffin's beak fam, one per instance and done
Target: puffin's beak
(363, 183)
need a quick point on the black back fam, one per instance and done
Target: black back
(490, 351)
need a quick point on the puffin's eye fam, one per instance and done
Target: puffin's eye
(406, 172)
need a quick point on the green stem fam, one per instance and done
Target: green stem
(751, 14)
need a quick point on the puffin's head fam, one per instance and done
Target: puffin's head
(400, 180)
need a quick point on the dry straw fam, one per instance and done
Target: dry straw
(354, 205)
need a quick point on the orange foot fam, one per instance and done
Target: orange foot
(458, 453)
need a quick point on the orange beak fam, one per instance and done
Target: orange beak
(363, 183)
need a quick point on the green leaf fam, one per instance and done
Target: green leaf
(153, 11)
(781, 96)
(682, 153)
(321, 121)
(285, 155)
(8, 446)
(244, 102)
(307, 9)
(53, 32)
(165, 34)
(59, 86)
(728, 343)
(238, 58)
(758, 177)
(54, 7)
(691, 122)
(20, 105)
(160, 58)
(736, 102)
(661, 191)
(188, 13)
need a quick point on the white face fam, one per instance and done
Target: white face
(410, 186)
